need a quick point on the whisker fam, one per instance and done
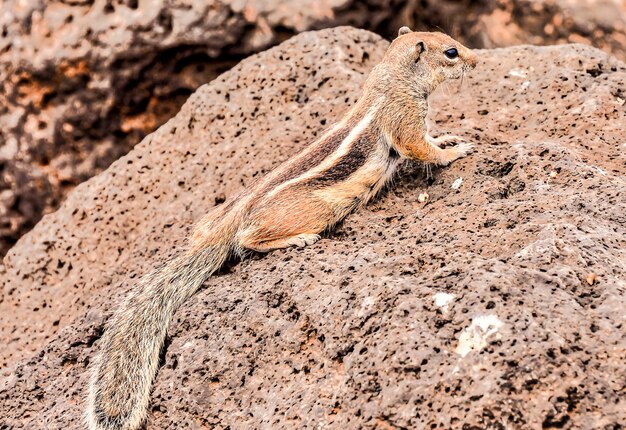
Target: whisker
(429, 171)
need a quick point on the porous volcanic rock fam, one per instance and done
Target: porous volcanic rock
(600, 23)
(496, 303)
(82, 81)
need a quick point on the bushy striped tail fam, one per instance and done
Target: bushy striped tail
(124, 371)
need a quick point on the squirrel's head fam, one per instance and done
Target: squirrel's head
(431, 57)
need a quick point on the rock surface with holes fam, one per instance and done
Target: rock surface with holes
(600, 23)
(494, 304)
(82, 81)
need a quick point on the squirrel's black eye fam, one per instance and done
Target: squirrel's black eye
(451, 53)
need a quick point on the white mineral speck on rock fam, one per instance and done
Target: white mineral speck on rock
(599, 170)
(518, 73)
(474, 337)
(442, 300)
(457, 184)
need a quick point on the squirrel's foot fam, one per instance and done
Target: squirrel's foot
(299, 240)
(445, 140)
(303, 240)
(463, 149)
(448, 155)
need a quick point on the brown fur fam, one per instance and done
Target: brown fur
(291, 206)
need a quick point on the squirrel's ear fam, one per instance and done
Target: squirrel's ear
(420, 47)
(404, 30)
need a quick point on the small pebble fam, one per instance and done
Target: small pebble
(591, 278)
(457, 184)
(423, 197)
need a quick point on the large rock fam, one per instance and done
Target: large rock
(600, 23)
(495, 305)
(82, 81)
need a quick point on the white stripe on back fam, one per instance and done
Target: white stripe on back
(329, 161)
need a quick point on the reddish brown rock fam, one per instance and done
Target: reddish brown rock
(600, 23)
(469, 310)
(81, 81)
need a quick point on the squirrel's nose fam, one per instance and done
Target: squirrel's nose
(472, 59)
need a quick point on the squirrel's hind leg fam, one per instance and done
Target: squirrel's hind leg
(291, 218)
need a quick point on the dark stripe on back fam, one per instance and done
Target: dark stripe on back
(299, 164)
(356, 157)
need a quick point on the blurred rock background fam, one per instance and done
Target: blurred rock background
(82, 81)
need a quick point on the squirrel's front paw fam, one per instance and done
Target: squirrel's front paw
(463, 149)
(448, 155)
(443, 141)
(451, 140)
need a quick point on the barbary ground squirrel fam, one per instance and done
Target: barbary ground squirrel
(291, 206)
